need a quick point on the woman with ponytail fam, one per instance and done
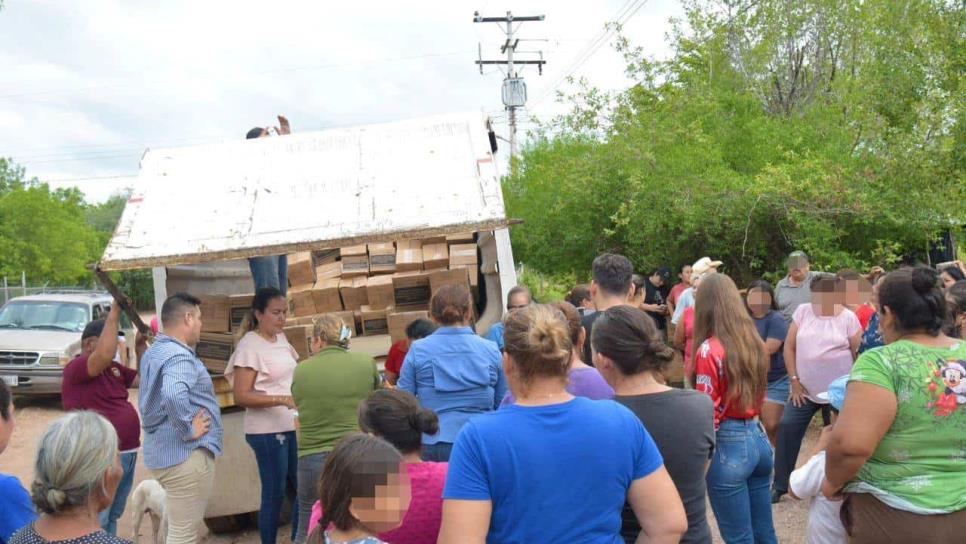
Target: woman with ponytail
(261, 370)
(453, 372)
(76, 476)
(731, 366)
(631, 355)
(897, 448)
(553, 467)
(327, 389)
(396, 417)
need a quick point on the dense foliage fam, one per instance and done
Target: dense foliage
(832, 126)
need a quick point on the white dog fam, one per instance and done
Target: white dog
(148, 498)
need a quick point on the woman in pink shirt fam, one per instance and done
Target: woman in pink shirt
(260, 371)
(397, 417)
(822, 343)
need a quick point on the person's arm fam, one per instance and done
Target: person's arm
(245, 395)
(500, 388)
(407, 374)
(855, 341)
(658, 508)
(679, 340)
(465, 522)
(122, 350)
(868, 414)
(103, 354)
(798, 392)
(177, 378)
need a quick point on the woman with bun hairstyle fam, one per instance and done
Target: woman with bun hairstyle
(554, 467)
(897, 447)
(77, 472)
(396, 417)
(452, 372)
(731, 366)
(632, 357)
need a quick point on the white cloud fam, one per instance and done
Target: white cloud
(86, 87)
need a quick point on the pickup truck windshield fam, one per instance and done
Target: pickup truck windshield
(45, 315)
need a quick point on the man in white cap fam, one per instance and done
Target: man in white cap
(702, 268)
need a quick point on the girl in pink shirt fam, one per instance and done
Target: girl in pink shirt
(397, 417)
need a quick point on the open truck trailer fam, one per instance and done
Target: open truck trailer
(373, 218)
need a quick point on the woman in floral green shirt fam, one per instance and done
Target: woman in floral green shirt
(899, 447)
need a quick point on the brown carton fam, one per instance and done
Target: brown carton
(328, 270)
(355, 265)
(409, 256)
(461, 238)
(435, 256)
(462, 254)
(474, 272)
(238, 307)
(300, 268)
(215, 313)
(353, 292)
(382, 258)
(326, 297)
(353, 250)
(215, 349)
(300, 336)
(411, 291)
(380, 292)
(439, 278)
(374, 321)
(324, 256)
(302, 301)
(398, 321)
(441, 239)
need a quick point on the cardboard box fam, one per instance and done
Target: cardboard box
(462, 254)
(441, 239)
(435, 256)
(355, 265)
(215, 313)
(328, 270)
(382, 258)
(353, 250)
(353, 292)
(326, 296)
(380, 292)
(474, 273)
(300, 336)
(238, 307)
(398, 321)
(301, 270)
(215, 349)
(302, 301)
(409, 256)
(411, 291)
(461, 238)
(324, 256)
(439, 278)
(374, 321)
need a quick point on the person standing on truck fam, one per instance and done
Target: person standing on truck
(453, 371)
(260, 371)
(95, 381)
(518, 297)
(181, 418)
(270, 270)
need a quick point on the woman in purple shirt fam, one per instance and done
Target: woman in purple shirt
(582, 380)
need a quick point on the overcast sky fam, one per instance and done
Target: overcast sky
(86, 86)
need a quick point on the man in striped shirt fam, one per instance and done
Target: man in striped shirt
(180, 417)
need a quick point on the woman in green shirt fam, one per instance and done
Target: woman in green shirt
(899, 449)
(327, 389)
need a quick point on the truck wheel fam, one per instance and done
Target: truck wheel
(228, 524)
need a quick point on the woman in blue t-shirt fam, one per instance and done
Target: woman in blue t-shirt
(16, 510)
(773, 329)
(554, 467)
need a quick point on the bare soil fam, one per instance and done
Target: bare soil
(33, 416)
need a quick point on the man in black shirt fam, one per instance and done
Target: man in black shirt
(656, 288)
(610, 287)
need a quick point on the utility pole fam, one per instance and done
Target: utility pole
(514, 88)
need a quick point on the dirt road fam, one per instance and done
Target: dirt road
(33, 416)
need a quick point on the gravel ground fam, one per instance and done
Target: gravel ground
(33, 416)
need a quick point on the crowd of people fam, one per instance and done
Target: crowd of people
(560, 425)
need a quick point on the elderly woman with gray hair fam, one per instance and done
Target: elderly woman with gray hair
(76, 476)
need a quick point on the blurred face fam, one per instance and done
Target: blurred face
(685, 274)
(857, 292)
(385, 511)
(517, 301)
(798, 268)
(272, 320)
(947, 280)
(88, 345)
(6, 429)
(759, 301)
(824, 302)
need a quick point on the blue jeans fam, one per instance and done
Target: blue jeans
(739, 483)
(310, 471)
(108, 518)
(270, 272)
(795, 422)
(277, 457)
(438, 452)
